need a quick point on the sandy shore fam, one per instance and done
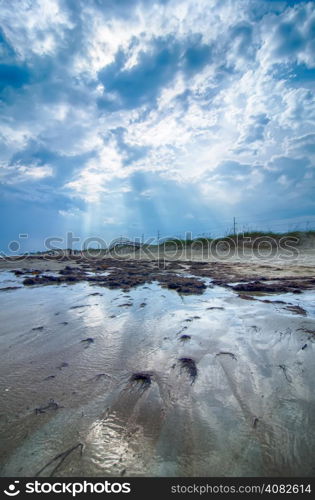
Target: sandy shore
(151, 367)
(231, 269)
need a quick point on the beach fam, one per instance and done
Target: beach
(157, 367)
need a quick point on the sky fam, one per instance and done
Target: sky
(129, 117)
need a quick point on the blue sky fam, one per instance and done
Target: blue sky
(123, 117)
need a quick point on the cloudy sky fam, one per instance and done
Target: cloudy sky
(123, 117)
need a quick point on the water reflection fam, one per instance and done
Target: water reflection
(249, 410)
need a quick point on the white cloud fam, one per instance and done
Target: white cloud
(34, 26)
(72, 212)
(234, 108)
(111, 220)
(289, 37)
(15, 174)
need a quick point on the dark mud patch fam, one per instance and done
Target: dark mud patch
(130, 273)
(87, 341)
(121, 274)
(296, 310)
(43, 280)
(182, 285)
(17, 272)
(58, 460)
(246, 297)
(227, 353)
(80, 307)
(182, 330)
(190, 319)
(68, 270)
(99, 376)
(265, 301)
(311, 333)
(255, 422)
(259, 287)
(190, 367)
(143, 379)
(50, 406)
(275, 285)
(285, 371)
(9, 288)
(184, 338)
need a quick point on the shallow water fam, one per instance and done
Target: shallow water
(249, 412)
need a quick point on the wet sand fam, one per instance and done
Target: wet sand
(72, 351)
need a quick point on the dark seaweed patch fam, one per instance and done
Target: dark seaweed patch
(51, 405)
(189, 365)
(88, 341)
(185, 338)
(142, 378)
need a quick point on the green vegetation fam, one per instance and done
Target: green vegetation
(254, 235)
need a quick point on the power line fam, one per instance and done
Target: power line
(246, 227)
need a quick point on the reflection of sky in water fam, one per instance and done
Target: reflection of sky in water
(250, 364)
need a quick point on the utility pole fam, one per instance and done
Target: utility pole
(142, 238)
(234, 226)
(158, 236)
